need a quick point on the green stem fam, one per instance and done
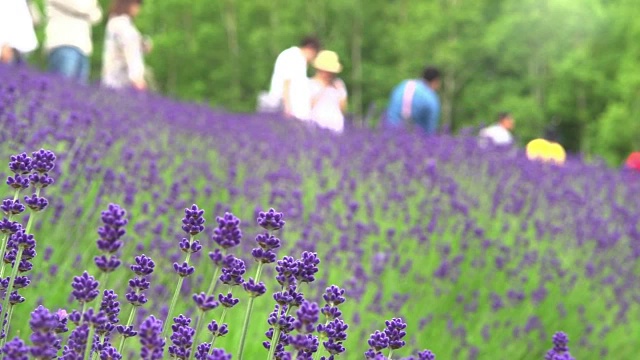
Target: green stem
(87, 349)
(9, 316)
(129, 322)
(175, 294)
(5, 238)
(390, 353)
(5, 303)
(214, 281)
(95, 354)
(197, 326)
(321, 337)
(213, 340)
(275, 339)
(247, 316)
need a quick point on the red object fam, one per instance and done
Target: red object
(633, 161)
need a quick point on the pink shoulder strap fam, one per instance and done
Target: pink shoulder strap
(407, 98)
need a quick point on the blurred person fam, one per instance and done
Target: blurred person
(500, 132)
(68, 37)
(17, 35)
(328, 92)
(124, 48)
(416, 102)
(289, 92)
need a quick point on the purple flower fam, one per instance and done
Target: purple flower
(95, 318)
(126, 331)
(228, 233)
(263, 256)
(560, 350)
(307, 317)
(290, 298)
(107, 264)
(426, 355)
(111, 308)
(217, 330)
(36, 203)
(183, 270)
(18, 182)
(193, 222)
(110, 353)
(254, 289)
(189, 246)
(151, 339)
(11, 207)
(267, 241)
(204, 302)
(15, 349)
(287, 268)
(395, 332)
(307, 344)
(136, 287)
(9, 227)
(378, 341)
(43, 325)
(232, 272)
(335, 332)
(43, 161)
(76, 344)
(279, 319)
(181, 338)
(15, 298)
(113, 220)
(271, 220)
(85, 288)
(143, 266)
(41, 180)
(20, 164)
(334, 296)
(228, 300)
(307, 267)
(22, 240)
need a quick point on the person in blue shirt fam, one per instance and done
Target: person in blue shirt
(416, 101)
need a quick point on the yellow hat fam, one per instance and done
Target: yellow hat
(327, 61)
(536, 149)
(541, 149)
(556, 153)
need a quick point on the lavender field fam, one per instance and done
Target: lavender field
(484, 254)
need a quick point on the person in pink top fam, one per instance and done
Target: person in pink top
(328, 92)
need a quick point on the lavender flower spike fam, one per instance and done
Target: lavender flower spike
(151, 339)
(15, 349)
(271, 220)
(85, 288)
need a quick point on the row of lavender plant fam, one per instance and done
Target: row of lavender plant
(394, 217)
(94, 328)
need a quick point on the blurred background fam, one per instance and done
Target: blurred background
(566, 69)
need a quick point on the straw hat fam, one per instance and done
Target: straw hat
(327, 61)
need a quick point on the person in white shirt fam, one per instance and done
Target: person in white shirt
(500, 133)
(124, 48)
(328, 92)
(289, 83)
(17, 35)
(68, 36)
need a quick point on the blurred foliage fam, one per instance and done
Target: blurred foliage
(562, 64)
